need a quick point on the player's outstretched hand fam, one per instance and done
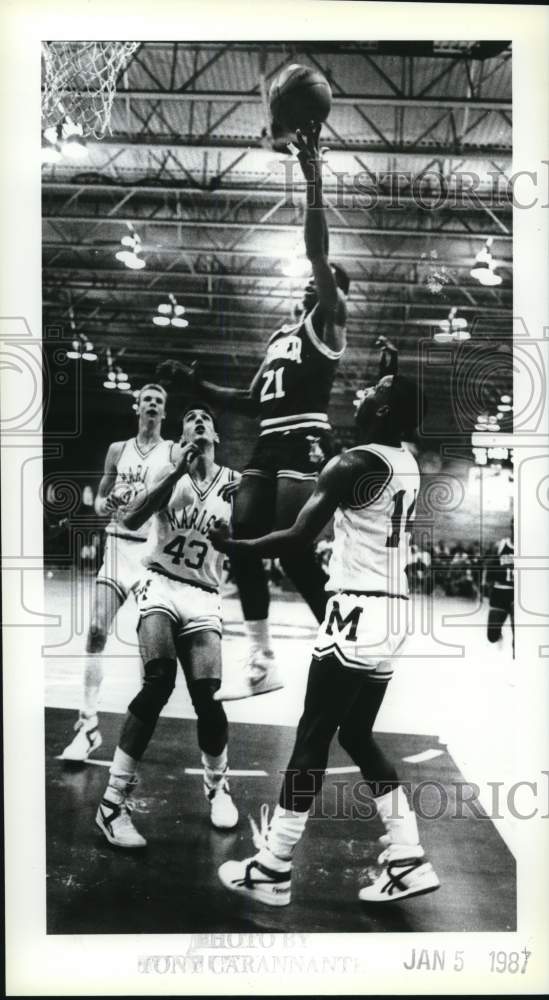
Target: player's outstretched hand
(178, 373)
(219, 534)
(308, 152)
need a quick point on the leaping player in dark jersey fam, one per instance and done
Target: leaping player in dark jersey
(290, 394)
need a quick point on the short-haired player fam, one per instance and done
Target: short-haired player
(130, 467)
(372, 491)
(290, 394)
(179, 620)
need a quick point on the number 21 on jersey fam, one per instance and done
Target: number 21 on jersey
(273, 385)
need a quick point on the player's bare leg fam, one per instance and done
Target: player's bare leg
(157, 647)
(253, 515)
(336, 697)
(106, 604)
(200, 655)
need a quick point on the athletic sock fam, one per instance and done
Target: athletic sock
(259, 635)
(93, 677)
(397, 817)
(215, 769)
(285, 831)
(122, 775)
(89, 718)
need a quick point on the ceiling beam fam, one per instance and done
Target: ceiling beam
(278, 227)
(342, 99)
(458, 263)
(457, 196)
(364, 300)
(284, 284)
(248, 144)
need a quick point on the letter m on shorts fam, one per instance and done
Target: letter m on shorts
(350, 622)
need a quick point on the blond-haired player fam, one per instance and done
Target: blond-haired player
(130, 467)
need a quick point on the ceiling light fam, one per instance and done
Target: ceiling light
(484, 267)
(165, 308)
(122, 255)
(504, 408)
(134, 262)
(295, 267)
(161, 320)
(130, 257)
(176, 321)
(107, 384)
(124, 386)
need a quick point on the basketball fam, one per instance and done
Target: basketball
(298, 96)
(124, 493)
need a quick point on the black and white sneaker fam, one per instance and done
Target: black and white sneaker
(256, 881)
(87, 739)
(401, 877)
(114, 820)
(255, 878)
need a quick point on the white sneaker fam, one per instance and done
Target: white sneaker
(402, 876)
(256, 881)
(260, 675)
(114, 820)
(87, 739)
(223, 812)
(254, 877)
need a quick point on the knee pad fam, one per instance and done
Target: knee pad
(202, 692)
(158, 684)
(210, 714)
(97, 639)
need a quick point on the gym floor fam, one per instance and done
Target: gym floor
(433, 723)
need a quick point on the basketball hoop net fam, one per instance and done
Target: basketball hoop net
(79, 82)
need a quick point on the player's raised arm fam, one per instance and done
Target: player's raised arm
(184, 377)
(341, 479)
(156, 498)
(388, 360)
(331, 299)
(103, 503)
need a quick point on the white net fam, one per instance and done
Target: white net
(79, 82)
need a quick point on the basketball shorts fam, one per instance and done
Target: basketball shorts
(190, 608)
(364, 632)
(122, 568)
(502, 598)
(290, 454)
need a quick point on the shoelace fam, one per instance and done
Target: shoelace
(260, 833)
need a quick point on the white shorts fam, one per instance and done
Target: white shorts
(122, 568)
(363, 631)
(191, 608)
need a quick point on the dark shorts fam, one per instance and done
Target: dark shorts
(290, 454)
(502, 598)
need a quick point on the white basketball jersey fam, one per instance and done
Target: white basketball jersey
(136, 471)
(179, 546)
(371, 539)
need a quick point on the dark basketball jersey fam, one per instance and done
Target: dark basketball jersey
(500, 566)
(294, 385)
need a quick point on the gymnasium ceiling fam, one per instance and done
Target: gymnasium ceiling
(189, 168)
